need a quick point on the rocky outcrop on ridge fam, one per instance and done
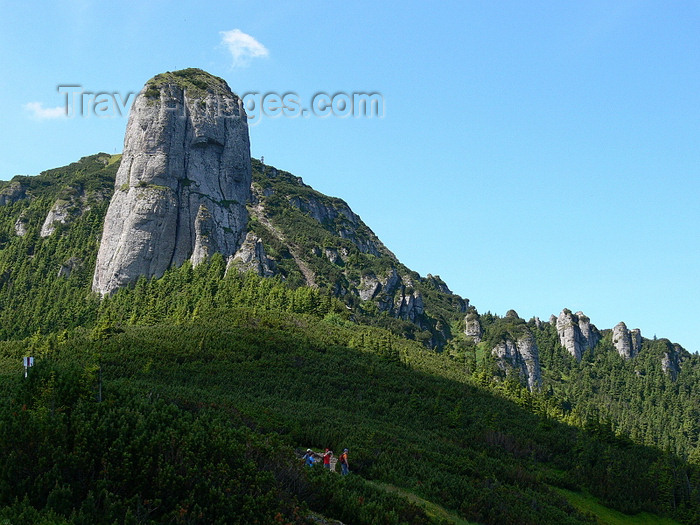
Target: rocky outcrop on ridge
(441, 286)
(183, 183)
(71, 205)
(576, 333)
(626, 342)
(321, 238)
(672, 360)
(336, 216)
(12, 193)
(522, 356)
(21, 225)
(590, 333)
(251, 257)
(408, 305)
(336, 256)
(393, 294)
(473, 328)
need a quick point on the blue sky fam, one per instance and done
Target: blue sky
(536, 155)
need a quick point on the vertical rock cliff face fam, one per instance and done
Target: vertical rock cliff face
(21, 225)
(12, 193)
(252, 257)
(183, 182)
(576, 333)
(472, 327)
(672, 359)
(590, 333)
(522, 356)
(628, 343)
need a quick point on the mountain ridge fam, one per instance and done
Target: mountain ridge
(185, 190)
(291, 232)
(30, 266)
(281, 203)
(195, 314)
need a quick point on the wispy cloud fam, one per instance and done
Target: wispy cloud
(243, 47)
(38, 111)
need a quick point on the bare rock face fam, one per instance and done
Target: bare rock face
(64, 211)
(21, 225)
(672, 360)
(380, 289)
(626, 342)
(636, 337)
(337, 216)
(576, 333)
(521, 356)
(409, 306)
(336, 256)
(621, 340)
(183, 182)
(473, 328)
(589, 332)
(12, 193)
(369, 287)
(251, 257)
(569, 333)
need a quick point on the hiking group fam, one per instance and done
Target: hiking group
(329, 461)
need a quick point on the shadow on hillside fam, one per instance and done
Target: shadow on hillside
(409, 416)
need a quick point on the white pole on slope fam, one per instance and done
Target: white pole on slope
(28, 362)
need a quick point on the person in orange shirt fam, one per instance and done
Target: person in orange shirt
(344, 463)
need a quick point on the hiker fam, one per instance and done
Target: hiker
(327, 455)
(344, 462)
(309, 458)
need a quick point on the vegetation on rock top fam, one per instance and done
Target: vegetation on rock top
(195, 81)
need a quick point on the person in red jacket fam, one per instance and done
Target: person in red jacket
(327, 455)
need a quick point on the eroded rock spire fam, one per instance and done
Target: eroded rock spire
(183, 182)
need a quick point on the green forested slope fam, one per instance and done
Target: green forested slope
(409, 417)
(268, 365)
(634, 398)
(33, 296)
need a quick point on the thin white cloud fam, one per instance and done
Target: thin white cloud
(38, 111)
(243, 47)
